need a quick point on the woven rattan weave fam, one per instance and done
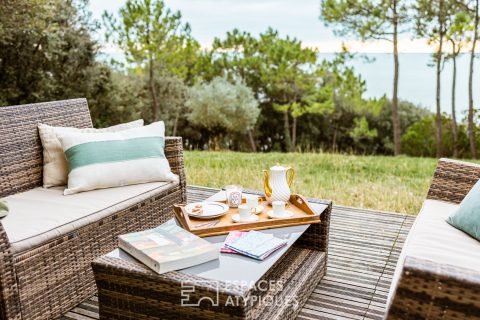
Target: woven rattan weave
(50, 279)
(428, 290)
(129, 290)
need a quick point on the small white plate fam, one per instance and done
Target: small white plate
(210, 210)
(236, 218)
(286, 214)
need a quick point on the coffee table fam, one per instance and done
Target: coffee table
(232, 287)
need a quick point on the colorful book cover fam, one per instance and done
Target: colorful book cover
(232, 237)
(168, 247)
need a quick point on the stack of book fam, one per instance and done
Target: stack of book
(253, 244)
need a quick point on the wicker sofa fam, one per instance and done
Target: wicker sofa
(438, 273)
(45, 274)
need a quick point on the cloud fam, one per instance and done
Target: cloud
(300, 19)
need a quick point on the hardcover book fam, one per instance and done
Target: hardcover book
(168, 247)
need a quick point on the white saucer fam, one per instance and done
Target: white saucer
(286, 214)
(236, 218)
(210, 209)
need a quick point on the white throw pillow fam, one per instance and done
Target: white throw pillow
(114, 159)
(55, 166)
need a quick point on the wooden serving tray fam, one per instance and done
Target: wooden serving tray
(303, 214)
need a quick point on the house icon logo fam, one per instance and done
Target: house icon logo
(192, 294)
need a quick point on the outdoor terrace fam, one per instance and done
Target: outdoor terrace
(364, 247)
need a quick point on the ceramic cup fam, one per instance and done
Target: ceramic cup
(252, 203)
(278, 208)
(244, 212)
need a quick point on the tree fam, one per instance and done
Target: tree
(471, 123)
(372, 19)
(431, 22)
(362, 132)
(419, 139)
(150, 35)
(223, 107)
(456, 34)
(121, 100)
(347, 94)
(47, 52)
(173, 94)
(281, 72)
(285, 71)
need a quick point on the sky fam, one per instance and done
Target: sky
(300, 19)
(297, 18)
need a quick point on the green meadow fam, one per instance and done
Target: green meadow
(396, 184)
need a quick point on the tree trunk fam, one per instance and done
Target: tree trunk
(454, 115)
(334, 140)
(293, 147)
(471, 124)
(396, 64)
(438, 120)
(175, 123)
(153, 92)
(252, 141)
(286, 129)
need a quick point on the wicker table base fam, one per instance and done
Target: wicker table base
(129, 290)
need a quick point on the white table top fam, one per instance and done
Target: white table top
(236, 268)
(239, 268)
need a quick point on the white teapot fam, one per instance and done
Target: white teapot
(277, 183)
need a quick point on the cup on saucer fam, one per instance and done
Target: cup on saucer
(255, 208)
(244, 214)
(252, 203)
(278, 210)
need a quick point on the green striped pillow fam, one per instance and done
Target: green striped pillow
(113, 159)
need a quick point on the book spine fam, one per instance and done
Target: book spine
(139, 255)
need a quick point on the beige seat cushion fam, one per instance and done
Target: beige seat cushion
(39, 215)
(432, 238)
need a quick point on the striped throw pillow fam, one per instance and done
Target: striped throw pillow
(55, 166)
(113, 159)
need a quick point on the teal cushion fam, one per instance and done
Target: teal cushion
(3, 209)
(467, 216)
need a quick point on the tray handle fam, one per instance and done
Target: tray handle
(302, 203)
(182, 215)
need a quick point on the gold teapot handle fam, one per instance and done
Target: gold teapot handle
(266, 184)
(290, 175)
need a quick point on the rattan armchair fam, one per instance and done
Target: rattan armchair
(46, 281)
(428, 290)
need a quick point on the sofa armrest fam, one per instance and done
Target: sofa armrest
(174, 155)
(9, 296)
(428, 290)
(452, 180)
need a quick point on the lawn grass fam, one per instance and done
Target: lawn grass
(397, 184)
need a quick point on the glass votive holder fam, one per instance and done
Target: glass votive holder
(234, 195)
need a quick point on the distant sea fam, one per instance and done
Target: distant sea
(417, 82)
